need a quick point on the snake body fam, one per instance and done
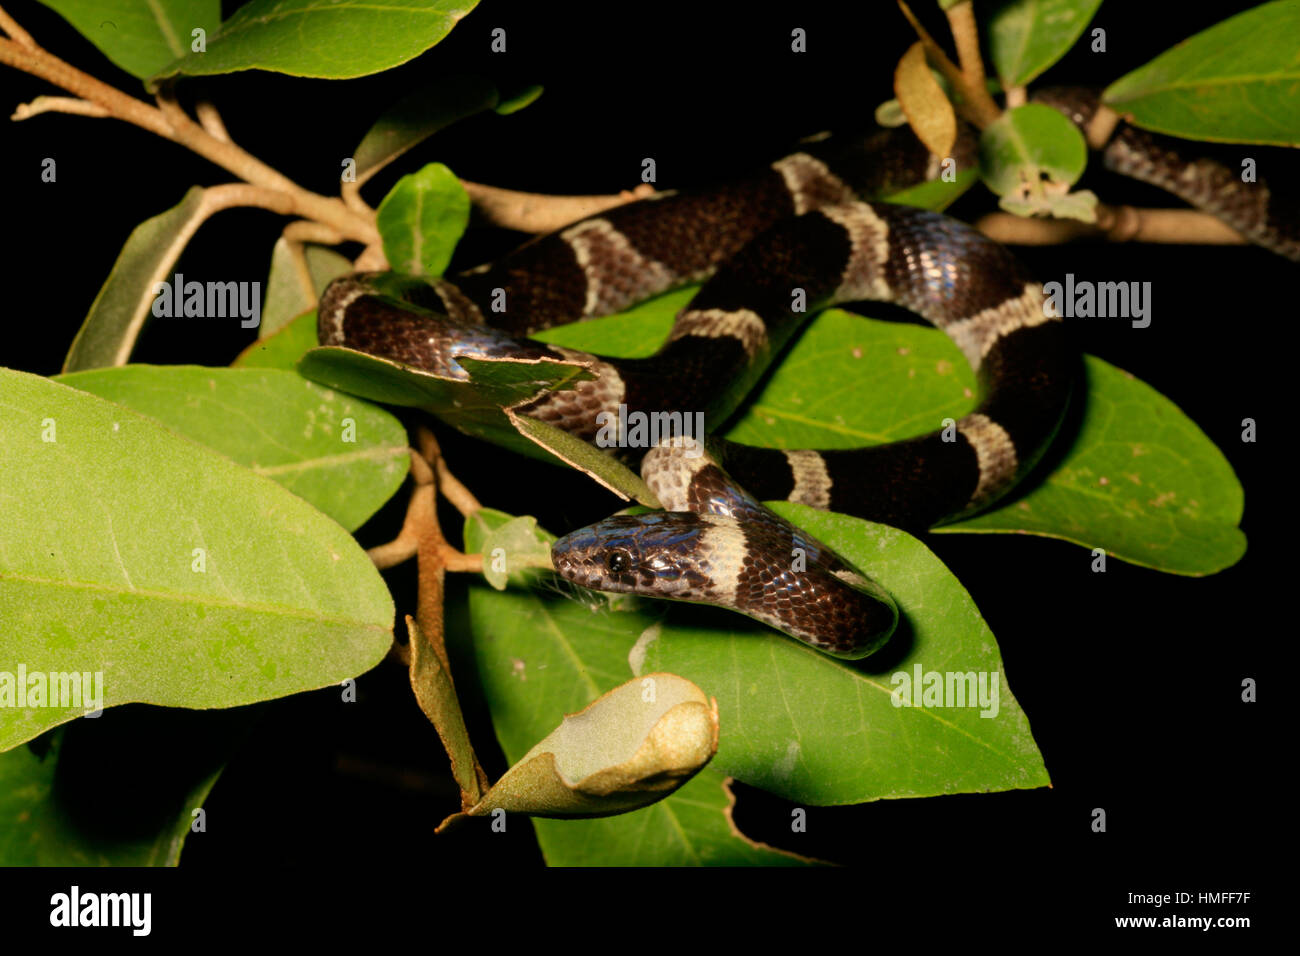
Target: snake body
(772, 250)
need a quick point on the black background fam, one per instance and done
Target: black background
(1131, 679)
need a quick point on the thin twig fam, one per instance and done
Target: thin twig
(372, 259)
(536, 212)
(428, 478)
(211, 120)
(58, 104)
(20, 36)
(305, 230)
(350, 191)
(966, 34)
(1101, 126)
(1114, 224)
(174, 125)
(461, 498)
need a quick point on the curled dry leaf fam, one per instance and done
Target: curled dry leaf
(924, 102)
(627, 749)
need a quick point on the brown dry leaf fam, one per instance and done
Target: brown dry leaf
(924, 103)
(436, 695)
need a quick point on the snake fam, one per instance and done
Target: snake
(772, 249)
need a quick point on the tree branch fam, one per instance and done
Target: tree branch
(1099, 129)
(536, 212)
(211, 120)
(1114, 224)
(461, 498)
(169, 121)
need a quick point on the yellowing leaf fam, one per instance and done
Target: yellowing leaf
(924, 103)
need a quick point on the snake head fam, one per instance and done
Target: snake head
(658, 555)
(745, 566)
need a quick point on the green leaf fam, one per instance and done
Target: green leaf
(692, 827)
(514, 102)
(475, 407)
(519, 545)
(289, 291)
(793, 721)
(816, 730)
(937, 194)
(1025, 37)
(533, 673)
(182, 578)
(1031, 151)
(584, 456)
(282, 349)
(421, 220)
(1237, 82)
(635, 333)
(344, 456)
(122, 306)
(1140, 481)
(436, 694)
(807, 403)
(139, 37)
(418, 115)
(119, 790)
(338, 40)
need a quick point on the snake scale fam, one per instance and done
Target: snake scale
(772, 250)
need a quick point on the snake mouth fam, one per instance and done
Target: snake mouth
(578, 566)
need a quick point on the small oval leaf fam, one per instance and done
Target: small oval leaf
(421, 220)
(1025, 37)
(1032, 152)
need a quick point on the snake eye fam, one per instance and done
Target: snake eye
(618, 561)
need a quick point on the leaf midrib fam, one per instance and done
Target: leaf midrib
(151, 593)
